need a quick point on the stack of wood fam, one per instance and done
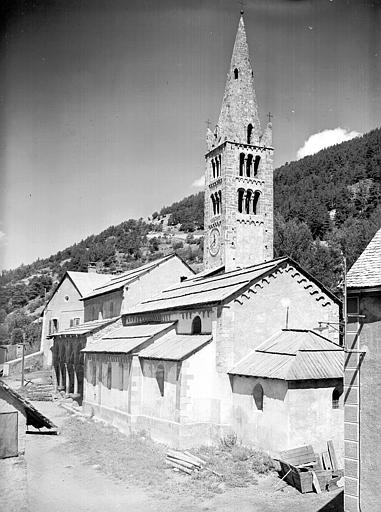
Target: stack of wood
(308, 471)
(184, 461)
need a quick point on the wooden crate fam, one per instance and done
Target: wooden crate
(300, 478)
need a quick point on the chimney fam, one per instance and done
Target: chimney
(91, 268)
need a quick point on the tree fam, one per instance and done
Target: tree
(17, 336)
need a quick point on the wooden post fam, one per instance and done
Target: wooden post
(23, 360)
(75, 381)
(67, 386)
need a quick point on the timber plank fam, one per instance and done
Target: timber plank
(332, 454)
(327, 461)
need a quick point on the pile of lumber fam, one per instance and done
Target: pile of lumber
(308, 471)
(184, 461)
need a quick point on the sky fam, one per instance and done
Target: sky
(104, 103)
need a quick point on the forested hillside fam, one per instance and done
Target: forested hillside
(327, 206)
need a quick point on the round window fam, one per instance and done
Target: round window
(66, 297)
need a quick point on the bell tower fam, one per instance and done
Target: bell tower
(239, 173)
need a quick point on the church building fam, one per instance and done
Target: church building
(234, 348)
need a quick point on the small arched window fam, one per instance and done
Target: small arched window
(240, 199)
(219, 201)
(256, 210)
(160, 378)
(256, 164)
(236, 74)
(217, 167)
(248, 199)
(258, 397)
(241, 163)
(249, 133)
(196, 325)
(336, 394)
(213, 169)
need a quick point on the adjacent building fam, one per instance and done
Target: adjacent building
(362, 382)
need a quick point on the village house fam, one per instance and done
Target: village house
(101, 306)
(65, 309)
(233, 349)
(362, 382)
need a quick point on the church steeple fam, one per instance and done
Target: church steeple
(239, 173)
(239, 120)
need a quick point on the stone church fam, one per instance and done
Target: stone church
(235, 348)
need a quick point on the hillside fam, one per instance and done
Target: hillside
(326, 205)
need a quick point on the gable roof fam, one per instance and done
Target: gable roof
(87, 281)
(127, 339)
(84, 282)
(216, 289)
(175, 347)
(293, 354)
(366, 271)
(119, 281)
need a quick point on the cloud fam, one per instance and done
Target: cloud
(324, 139)
(199, 183)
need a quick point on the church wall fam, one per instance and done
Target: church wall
(312, 419)
(260, 315)
(64, 306)
(267, 429)
(294, 414)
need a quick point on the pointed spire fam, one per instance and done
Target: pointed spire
(239, 119)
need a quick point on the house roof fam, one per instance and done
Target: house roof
(87, 281)
(126, 339)
(175, 347)
(214, 289)
(119, 281)
(366, 271)
(293, 354)
(86, 328)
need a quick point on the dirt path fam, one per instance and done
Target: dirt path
(58, 481)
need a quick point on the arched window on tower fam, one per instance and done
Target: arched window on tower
(217, 168)
(241, 163)
(256, 164)
(213, 169)
(213, 203)
(258, 397)
(336, 394)
(236, 74)
(240, 199)
(219, 201)
(196, 325)
(249, 194)
(249, 162)
(249, 133)
(256, 205)
(220, 166)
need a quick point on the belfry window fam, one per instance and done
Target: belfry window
(249, 161)
(240, 199)
(258, 397)
(213, 169)
(236, 74)
(213, 203)
(249, 133)
(241, 163)
(219, 193)
(196, 325)
(256, 164)
(248, 198)
(256, 202)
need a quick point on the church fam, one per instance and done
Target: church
(236, 348)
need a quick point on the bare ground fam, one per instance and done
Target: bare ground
(78, 470)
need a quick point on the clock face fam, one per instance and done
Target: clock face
(214, 242)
